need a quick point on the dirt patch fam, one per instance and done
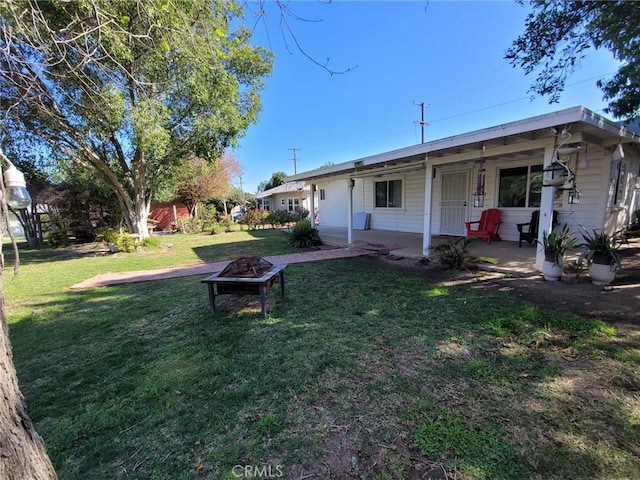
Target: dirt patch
(618, 304)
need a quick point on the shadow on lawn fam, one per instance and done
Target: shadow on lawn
(262, 243)
(140, 379)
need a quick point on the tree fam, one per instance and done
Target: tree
(128, 89)
(201, 181)
(558, 35)
(23, 455)
(277, 178)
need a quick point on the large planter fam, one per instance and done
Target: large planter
(551, 271)
(602, 274)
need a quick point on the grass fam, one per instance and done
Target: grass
(360, 372)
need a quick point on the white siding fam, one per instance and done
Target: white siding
(333, 209)
(408, 218)
(589, 213)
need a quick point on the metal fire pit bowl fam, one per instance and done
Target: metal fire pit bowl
(247, 267)
(245, 276)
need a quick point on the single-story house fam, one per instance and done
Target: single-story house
(287, 197)
(435, 187)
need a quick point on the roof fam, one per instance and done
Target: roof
(506, 139)
(297, 186)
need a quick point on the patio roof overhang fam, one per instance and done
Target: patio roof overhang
(513, 140)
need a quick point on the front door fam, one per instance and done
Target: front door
(453, 203)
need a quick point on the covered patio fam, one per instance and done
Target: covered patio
(511, 259)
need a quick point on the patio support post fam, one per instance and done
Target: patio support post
(350, 182)
(428, 188)
(546, 209)
(312, 206)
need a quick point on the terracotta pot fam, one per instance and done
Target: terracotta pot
(551, 271)
(602, 274)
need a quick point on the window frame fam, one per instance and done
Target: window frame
(291, 203)
(387, 182)
(558, 201)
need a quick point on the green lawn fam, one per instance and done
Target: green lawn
(360, 372)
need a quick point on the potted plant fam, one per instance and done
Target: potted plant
(555, 245)
(601, 254)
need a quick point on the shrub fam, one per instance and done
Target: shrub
(118, 242)
(226, 222)
(216, 228)
(279, 218)
(253, 218)
(58, 238)
(300, 213)
(151, 242)
(303, 235)
(455, 254)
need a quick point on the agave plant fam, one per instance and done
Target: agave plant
(601, 248)
(556, 243)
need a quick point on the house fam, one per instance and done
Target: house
(287, 197)
(434, 187)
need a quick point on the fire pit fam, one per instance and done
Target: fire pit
(245, 276)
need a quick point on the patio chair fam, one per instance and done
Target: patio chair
(488, 225)
(529, 231)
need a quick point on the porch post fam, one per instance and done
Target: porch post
(546, 209)
(350, 210)
(428, 188)
(312, 206)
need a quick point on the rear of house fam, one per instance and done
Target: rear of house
(433, 188)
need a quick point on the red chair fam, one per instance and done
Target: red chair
(487, 225)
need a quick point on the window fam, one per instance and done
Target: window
(322, 194)
(292, 204)
(520, 186)
(389, 194)
(621, 183)
(282, 203)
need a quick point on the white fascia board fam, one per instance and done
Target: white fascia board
(542, 122)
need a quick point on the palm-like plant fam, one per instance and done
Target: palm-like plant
(601, 248)
(556, 243)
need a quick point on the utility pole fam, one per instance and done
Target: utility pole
(295, 160)
(422, 123)
(241, 184)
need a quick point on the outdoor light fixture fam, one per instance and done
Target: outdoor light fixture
(478, 195)
(17, 195)
(556, 174)
(574, 196)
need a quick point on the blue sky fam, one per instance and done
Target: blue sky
(448, 54)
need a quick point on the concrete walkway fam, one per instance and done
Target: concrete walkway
(118, 278)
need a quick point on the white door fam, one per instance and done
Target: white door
(453, 203)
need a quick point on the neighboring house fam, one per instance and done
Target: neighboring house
(433, 188)
(287, 197)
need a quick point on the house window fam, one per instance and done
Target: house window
(520, 186)
(292, 204)
(389, 194)
(282, 202)
(621, 183)
(322, 194)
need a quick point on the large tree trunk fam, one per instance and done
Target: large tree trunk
(22, 452)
